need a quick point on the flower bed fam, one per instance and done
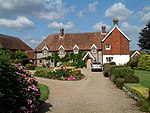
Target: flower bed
(60, 74)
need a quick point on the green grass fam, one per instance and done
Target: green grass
(44, 92)
(144, 77)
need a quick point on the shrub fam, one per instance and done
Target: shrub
(76, 72)
(41, 73)
(112, 63)
(30, 67)
(144, 63)
(108, 69)
(132, 79)
(144, 105)
(122, 72)
(132, 63)
(18, 88)
(119, 82)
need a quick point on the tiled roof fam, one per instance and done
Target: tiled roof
(83, 40)
(13, 43)
(30, 54)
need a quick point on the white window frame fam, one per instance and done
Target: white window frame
(45, 51)
(76, 51)
(61, 51)
(93, 49)
(107, 46)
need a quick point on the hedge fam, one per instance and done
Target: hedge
(122, 72)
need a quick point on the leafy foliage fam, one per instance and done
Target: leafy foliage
(18, 91)
(144, 38)
(61, 74)
(30, 67)
(133, 63)
(20, 57)
(144, 63)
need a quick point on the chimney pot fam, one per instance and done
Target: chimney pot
(62, 32)
(103, 29)
(115, 21)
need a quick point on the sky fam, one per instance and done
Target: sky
(33, 20)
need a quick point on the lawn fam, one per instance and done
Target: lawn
(144, 77)
(44, 92)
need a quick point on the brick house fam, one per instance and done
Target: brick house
(115, 46)
(14, 44)
(99, 46)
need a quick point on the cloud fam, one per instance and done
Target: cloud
(92, 6)
(52, 15)
(130, 29)
(144, 16)
(13, 7)
(56, 10)
(80, 13)
(118, 10)
(43, 9)
(31, 41)
(21, 23)
(147, 8)
(56, 25)
(97, 26)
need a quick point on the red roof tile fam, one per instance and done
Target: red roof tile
(83, 40)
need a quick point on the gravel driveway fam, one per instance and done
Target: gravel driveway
(93, 94)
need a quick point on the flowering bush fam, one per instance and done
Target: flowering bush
(140, 91)
(18, 88)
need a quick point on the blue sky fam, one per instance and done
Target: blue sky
(33, 20)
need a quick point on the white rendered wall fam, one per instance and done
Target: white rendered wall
(118, 59)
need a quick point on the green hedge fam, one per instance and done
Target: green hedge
(30, 67)
(144, 63)
(122, 72)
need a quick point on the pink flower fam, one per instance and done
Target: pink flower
(29, 101)
(71, 78)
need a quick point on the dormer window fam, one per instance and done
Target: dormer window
(93, 49)
(61, 50)
(76, 49)
(45, 50)
(107, 46)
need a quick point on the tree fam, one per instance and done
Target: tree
(54, 57)
(144, 38)
(20, 57)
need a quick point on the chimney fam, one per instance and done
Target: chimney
(103, 29)
(103, 32)
(115, 21)
(62, 32)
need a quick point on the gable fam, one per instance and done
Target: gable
(116, 27)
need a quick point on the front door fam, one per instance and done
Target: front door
(88, 63)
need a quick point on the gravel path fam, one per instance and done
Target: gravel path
(93, 94)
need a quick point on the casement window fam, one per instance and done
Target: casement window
(107, 46)
(45, 51)
(93, 49)
(109, 59)
(76, 51)
(61, 51)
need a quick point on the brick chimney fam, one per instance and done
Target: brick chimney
(115, 21)
(62, 32)
(103, 32)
